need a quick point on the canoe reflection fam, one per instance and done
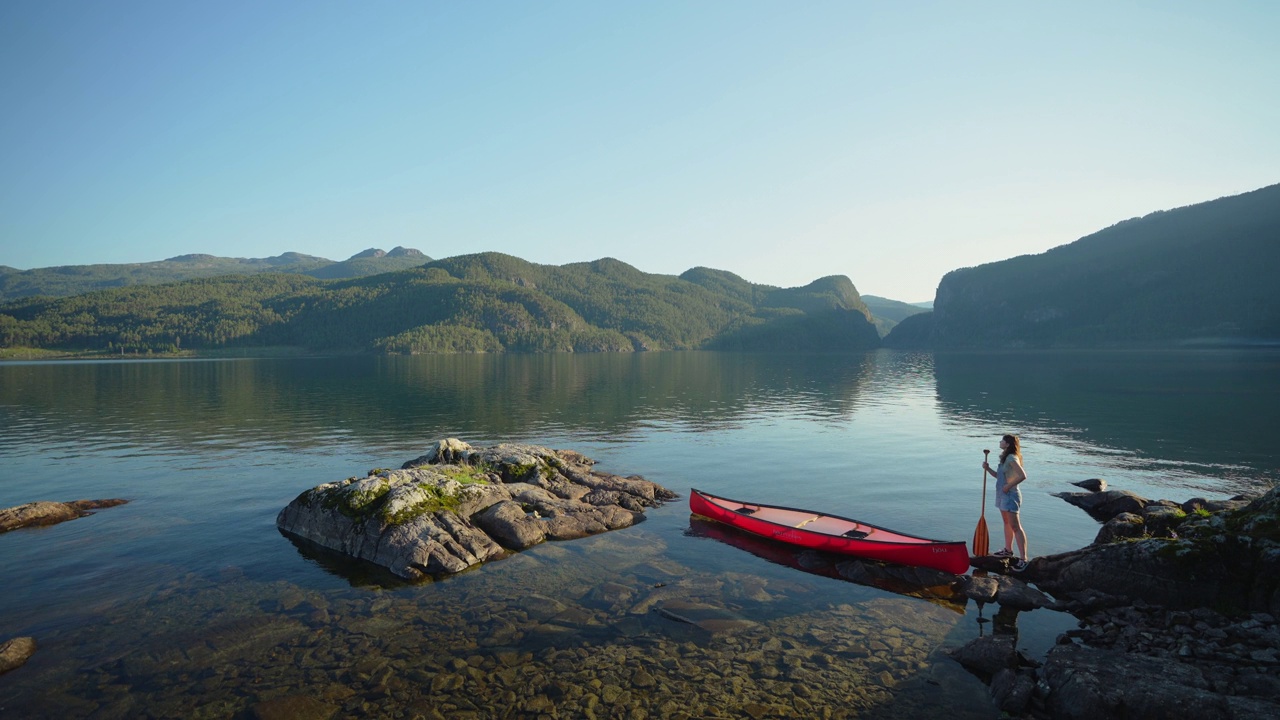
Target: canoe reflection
(933, 585)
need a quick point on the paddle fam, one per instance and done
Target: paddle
(981, 542)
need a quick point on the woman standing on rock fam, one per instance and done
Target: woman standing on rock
(1009, 475)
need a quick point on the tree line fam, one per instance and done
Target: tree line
(477, 303)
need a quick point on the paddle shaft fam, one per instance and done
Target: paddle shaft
(981, 540)
(986, 457)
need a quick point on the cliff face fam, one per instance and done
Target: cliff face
(1198, 275)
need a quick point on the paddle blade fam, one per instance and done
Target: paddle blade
(981, 543)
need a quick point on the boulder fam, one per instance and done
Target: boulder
(1216, 506)
(1013, 593)
(1162, 519)
(986, 656)
(1092, 484)
(1106, 504)
(1123, 526)
(457, 506)
(980, 589)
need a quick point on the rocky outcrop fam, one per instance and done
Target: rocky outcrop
(1177, 605)
(1193, 554)
(1088, 684)
(14, 653)
(50, 513)
(458, 506)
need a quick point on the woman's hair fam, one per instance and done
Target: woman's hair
(1012, 446)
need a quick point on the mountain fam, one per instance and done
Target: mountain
(487, 302)
(894, 310)
(76, 279)
(1203, 274)
(913, 333)
(371, 262)
(887, 313)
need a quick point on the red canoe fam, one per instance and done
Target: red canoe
(831, 533)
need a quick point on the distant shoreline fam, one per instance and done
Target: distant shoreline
(289, 351)
(21, 354)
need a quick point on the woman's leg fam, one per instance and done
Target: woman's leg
(1013, 523)
(1010, 519)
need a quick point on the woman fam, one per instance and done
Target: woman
(1009, 475)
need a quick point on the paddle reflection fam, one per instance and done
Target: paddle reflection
(927, 584)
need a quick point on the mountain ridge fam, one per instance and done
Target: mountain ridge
(484, 302)
(1201, 274)
(67, 280)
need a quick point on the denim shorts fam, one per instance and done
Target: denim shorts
(1009, 501)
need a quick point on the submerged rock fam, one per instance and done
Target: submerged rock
(50, 513)
(13, 653)
(293, 707)
(458, 506)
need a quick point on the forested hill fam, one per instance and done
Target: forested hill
(475, 303)
(1198, 275)
(888, 313)
(76, 279)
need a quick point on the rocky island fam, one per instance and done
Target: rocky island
(458, 506)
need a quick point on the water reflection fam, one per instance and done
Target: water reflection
(913, 582)
(1211, 412)
(187, 602)
(302, 403)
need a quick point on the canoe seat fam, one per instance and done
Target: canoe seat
(745, 510)
(855, 534)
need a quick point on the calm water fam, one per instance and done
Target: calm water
(188, 603)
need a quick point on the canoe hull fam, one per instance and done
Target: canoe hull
(900, 548)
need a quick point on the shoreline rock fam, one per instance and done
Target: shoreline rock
(1177, 606)
(44, 512)
(458, 506)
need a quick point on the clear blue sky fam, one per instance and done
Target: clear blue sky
(887, 141)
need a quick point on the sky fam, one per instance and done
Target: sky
(890, 142)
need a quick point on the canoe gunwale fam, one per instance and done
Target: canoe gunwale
(712, 498)
(945, 555)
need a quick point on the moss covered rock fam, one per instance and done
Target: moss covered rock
(457, 506)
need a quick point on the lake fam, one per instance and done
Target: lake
(188, 603)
